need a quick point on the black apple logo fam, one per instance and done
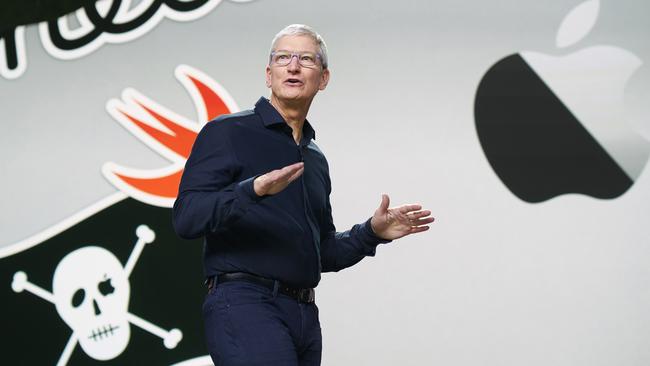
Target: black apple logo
(552, 125)
(105, 287)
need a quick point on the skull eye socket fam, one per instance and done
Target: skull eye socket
(78, 297)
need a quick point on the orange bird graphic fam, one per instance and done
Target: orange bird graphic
(169, 134)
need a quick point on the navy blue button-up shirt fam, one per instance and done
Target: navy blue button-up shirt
(288, 236)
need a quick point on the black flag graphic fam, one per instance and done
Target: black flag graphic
(166, 292)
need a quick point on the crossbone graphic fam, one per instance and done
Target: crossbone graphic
(91, 290)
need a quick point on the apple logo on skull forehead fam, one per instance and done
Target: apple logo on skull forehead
(552, 125)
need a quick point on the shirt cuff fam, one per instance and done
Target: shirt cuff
(368, 235)
(246, 190)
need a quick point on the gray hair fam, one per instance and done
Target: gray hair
(303, 30)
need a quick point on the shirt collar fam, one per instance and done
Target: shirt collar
(271, 117)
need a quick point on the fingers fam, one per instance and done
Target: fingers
(289, 170)
(276, 180)
(418, 229)
(297, 174)
(418, 219)
(418, 214)
(406, 209)
(422, 221)
(420, 225)
(280, 175)
(290, 173)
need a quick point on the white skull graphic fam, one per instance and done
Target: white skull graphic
(91, 293)
(91, 290)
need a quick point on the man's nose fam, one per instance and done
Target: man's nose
(294, 64)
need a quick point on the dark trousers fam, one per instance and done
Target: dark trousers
(247, 325)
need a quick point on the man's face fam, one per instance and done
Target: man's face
(294, 82)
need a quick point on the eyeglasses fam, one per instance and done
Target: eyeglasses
(305, 59)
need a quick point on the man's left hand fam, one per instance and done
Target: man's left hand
(394, 223)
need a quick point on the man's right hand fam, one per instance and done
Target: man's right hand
(277, 180)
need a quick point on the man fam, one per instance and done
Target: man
(257, 188)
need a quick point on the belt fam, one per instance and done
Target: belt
(306, 295)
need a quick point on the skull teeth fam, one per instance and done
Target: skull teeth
(100, 333)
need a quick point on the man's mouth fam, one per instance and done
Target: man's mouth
(293, 82)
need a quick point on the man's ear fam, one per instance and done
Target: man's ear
(324, 79)
(268, 76)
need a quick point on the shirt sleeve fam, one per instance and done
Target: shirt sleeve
(209, 196)
(340, 250)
